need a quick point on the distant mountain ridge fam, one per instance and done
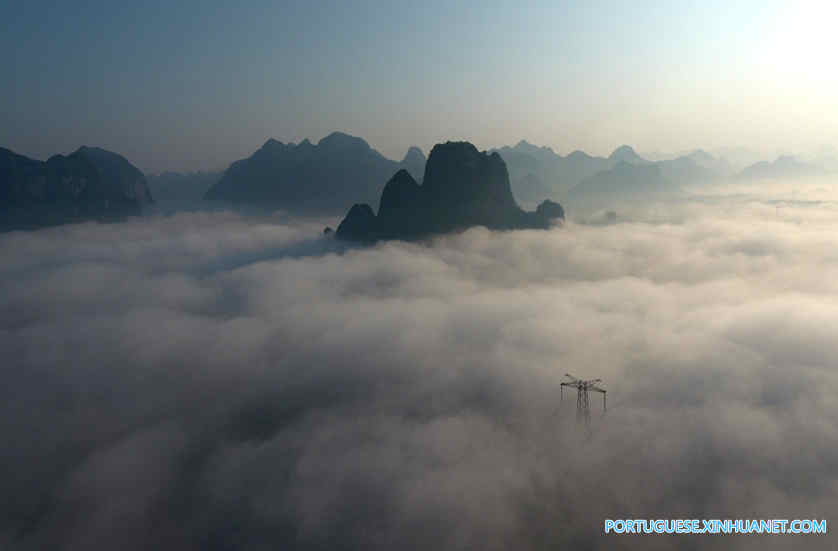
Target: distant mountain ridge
(624, 182)
(321, 178)
(535, 170)
(89, 183)
(626, 153)
(462, 187)
(414, 162)
(539, 171)
(784, 166)
(340, 169)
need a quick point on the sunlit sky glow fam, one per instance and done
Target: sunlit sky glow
(195, 85)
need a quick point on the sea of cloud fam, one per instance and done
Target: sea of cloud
(208, 380)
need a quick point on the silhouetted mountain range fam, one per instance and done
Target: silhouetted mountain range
(627, 154)
(784, 166)
(89, 183)
(537, 172)
(462, 187)
(686, 169)
(738, 157)
(320, 178)
(340, 169)
(625, 181)
(181, 186)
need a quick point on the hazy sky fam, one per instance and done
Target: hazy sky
(191, 84)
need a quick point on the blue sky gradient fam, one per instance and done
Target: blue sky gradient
(195, 85)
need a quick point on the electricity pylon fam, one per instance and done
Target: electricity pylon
(583, 410)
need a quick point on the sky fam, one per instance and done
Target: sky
(195, 85)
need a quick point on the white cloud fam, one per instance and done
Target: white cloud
(204, 380)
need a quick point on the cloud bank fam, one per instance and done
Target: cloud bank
(212, 381)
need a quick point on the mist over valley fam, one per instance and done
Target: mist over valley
(428, 275)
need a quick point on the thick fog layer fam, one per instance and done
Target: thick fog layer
(209, 381)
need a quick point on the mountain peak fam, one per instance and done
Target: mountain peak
(271, 145)
(342, 141)
(359, 224)
(107, 160)
(578, 154)
(524, 146)
(457, 174)
(88, 183)
(701, 156)
(625, 153)
(785, 166)
(462, 187)
(401, 196)
(414, 155)
(321, 178)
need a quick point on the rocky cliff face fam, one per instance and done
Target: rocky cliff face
(89, 183)
(360, 224)
(462, 187)
(120, 179)
(401, 207)
(457, 174)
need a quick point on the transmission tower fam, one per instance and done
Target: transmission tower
(583, 410)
